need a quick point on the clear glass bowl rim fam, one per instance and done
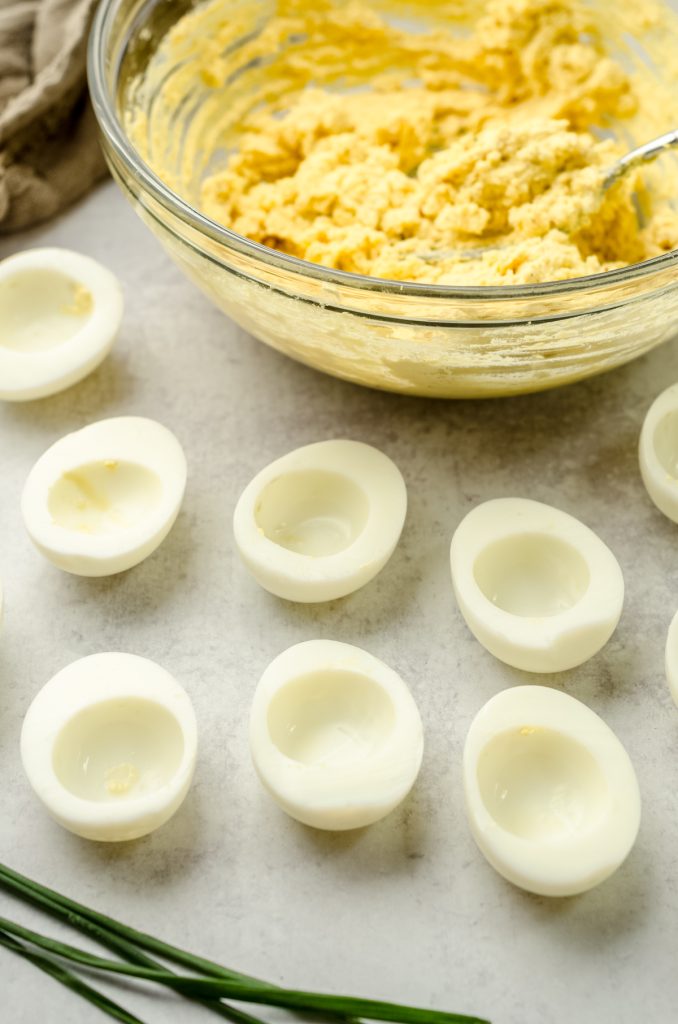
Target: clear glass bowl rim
(104, 104)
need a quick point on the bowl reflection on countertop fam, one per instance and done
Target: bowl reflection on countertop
(412, 338)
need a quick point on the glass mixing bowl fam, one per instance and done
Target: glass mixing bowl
(416, 339)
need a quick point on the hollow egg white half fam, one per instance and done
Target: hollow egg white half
(60, 313)
(103, 498)
(322, 521)
(658, 452)
(335, 735)
(551, 795)
(109, 746)
(536, 586)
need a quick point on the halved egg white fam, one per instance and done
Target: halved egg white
(536, 586)
(109, 746)
(335, 735)
(658, 452)
(103, 498)
(551, 795)
(322, 521)
(60, 313)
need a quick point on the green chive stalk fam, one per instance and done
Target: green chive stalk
(210, 983)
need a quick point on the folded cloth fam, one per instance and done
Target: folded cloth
(49, 153)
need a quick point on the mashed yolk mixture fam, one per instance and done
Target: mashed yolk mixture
(475, 157)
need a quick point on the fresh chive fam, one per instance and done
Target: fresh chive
(11, 879)
(216, 981)
(60, 974)
(85, 920)
(215, 987)
(294, 999)
(113, 942)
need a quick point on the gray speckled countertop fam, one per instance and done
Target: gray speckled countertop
(407, 909)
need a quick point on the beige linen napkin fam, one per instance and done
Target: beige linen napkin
(49, 153)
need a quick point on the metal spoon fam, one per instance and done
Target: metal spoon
(645, 154)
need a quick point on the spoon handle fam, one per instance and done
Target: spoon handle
(642, 155)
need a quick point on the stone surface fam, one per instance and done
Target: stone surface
(407, 909)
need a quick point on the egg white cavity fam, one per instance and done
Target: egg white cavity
(41, 309)
(103, 498)
(60, 312)
(658, 452)
(109, 746)
(312, 513)
(551, 795)
(541, 785)
(330, 718)
(335, 735)
(535, 586)
(533, 575)
(118, 748)
(322, 521)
